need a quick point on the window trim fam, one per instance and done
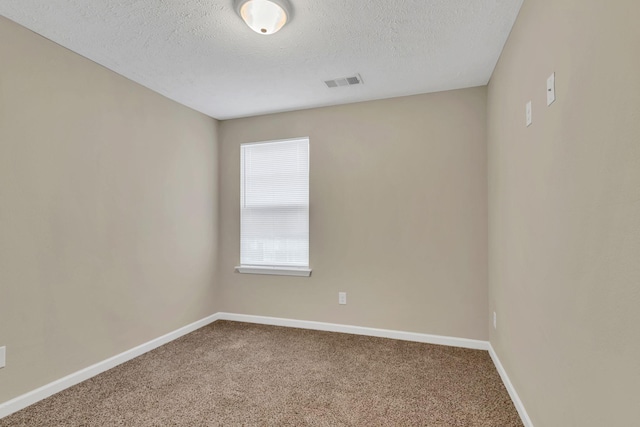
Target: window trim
(278, 270)
(274, 270)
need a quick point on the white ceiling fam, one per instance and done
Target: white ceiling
(201, 54)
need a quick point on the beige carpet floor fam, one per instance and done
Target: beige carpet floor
(239, 374)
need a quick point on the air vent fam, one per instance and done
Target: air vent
(344, 81)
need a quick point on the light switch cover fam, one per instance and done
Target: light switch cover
(551, 89)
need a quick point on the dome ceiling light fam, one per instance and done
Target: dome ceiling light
(264, 16)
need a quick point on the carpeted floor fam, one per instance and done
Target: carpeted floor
(239, 374)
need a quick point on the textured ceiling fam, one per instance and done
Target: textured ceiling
(201, 54)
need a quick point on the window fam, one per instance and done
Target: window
(274, 207)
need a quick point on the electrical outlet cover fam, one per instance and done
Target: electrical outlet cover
(342, 297)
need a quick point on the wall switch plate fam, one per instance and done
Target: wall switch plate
(3, 356)
(495, 321)
(342, 297)
(551, 89)
(528, 114)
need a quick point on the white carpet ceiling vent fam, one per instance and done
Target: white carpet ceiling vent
(201, 53)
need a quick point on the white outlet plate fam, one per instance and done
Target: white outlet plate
(495, 321)
(528, 114)
(551, 89)
(342, 297)
(3, 356)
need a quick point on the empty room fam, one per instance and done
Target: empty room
(320, 213)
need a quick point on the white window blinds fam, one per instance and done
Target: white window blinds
(274, 203)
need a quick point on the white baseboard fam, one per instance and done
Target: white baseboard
(47, 390)
(358, 330)
(512, 391)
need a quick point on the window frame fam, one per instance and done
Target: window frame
(280, 270)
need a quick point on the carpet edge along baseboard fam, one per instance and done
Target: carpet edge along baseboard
(29, 398)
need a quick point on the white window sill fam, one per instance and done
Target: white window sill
(277, 271)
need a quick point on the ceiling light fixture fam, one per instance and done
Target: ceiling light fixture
(264, 16)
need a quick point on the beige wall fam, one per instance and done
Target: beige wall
(107, 212)
(564, 202)
(398, 215)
